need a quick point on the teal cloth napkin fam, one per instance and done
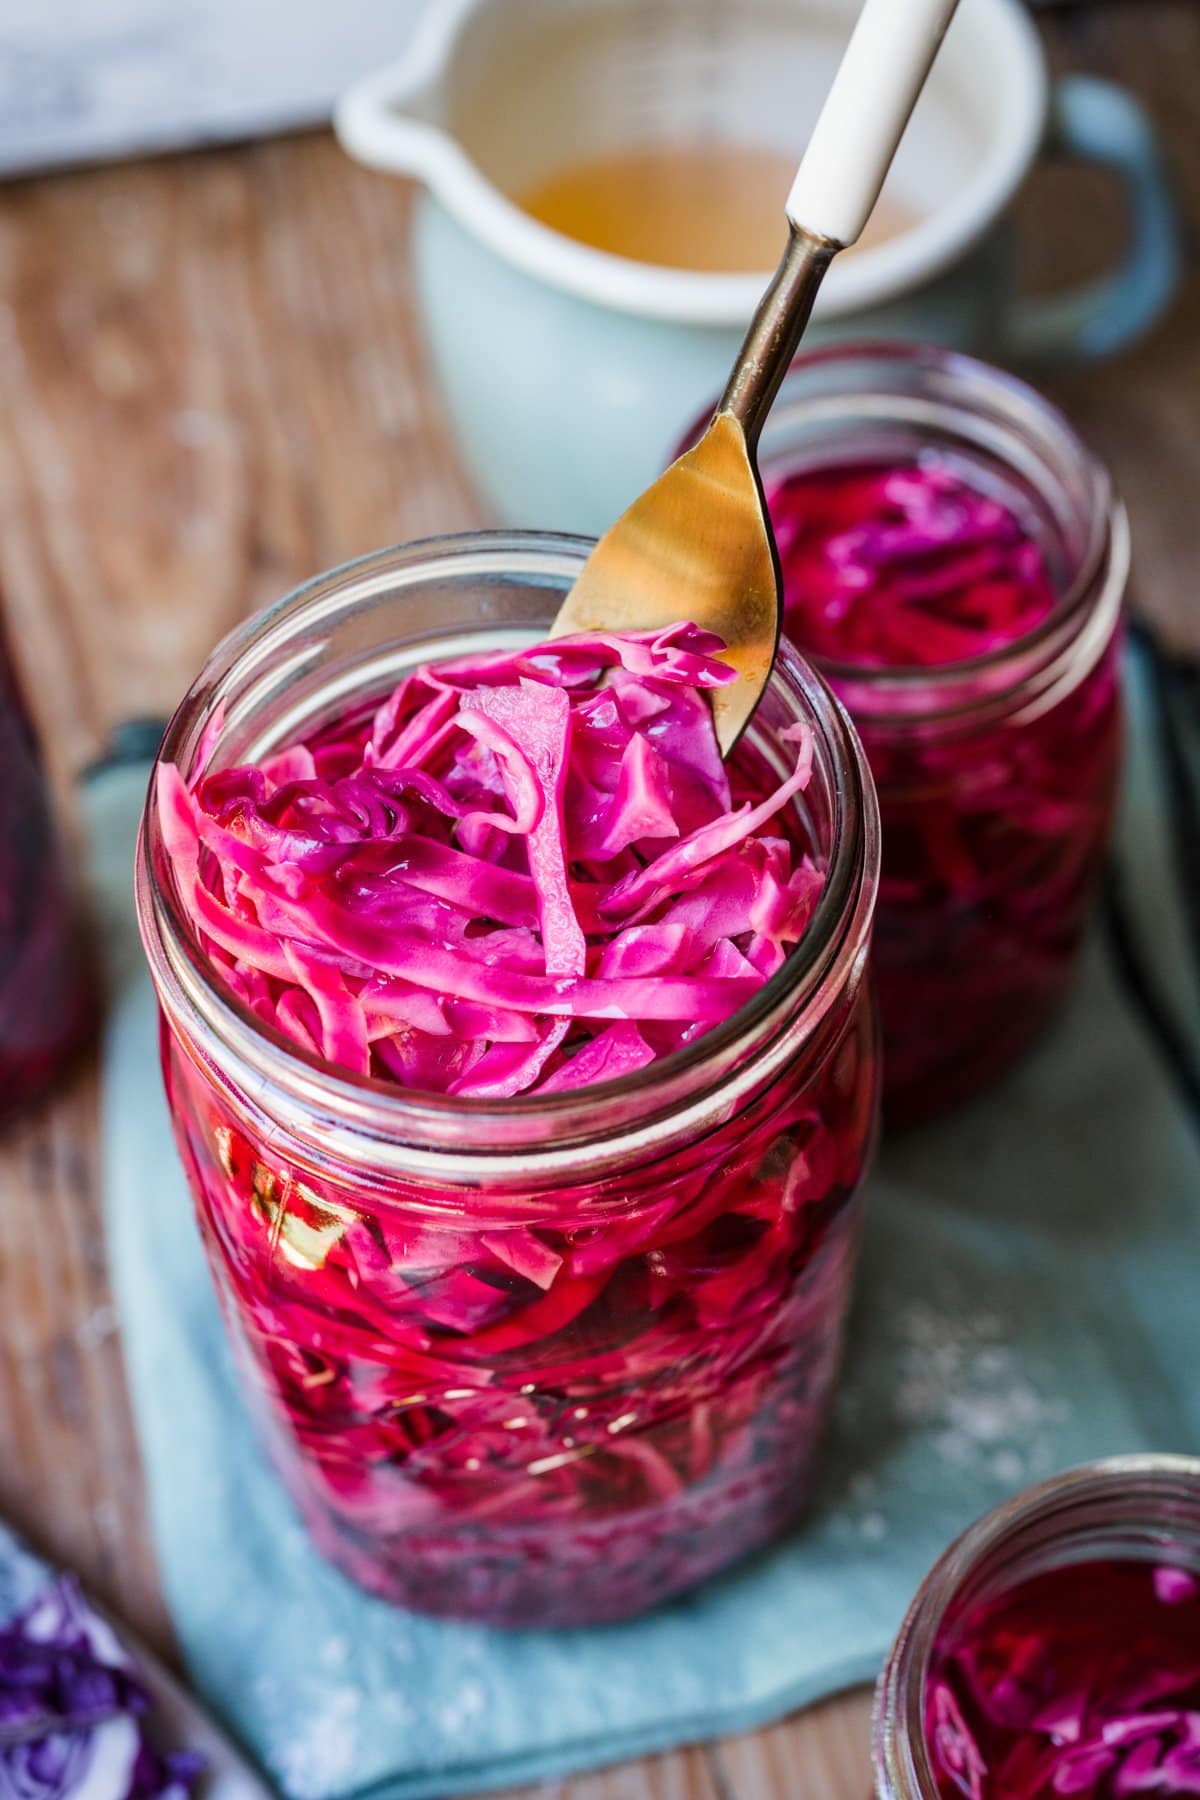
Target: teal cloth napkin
(22, 1576)
(1027, 1300)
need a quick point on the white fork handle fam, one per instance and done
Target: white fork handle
(863, 119)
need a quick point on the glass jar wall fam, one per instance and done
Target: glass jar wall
(540, 1361)
(47, 990)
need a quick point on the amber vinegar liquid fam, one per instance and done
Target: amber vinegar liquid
(713, 207)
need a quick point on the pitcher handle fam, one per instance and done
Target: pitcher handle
(1099, 122)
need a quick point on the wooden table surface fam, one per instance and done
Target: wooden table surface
(210, 387)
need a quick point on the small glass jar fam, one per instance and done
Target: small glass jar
(1131, 1509)
(47, 992)
(537, 1361)
(996, 776)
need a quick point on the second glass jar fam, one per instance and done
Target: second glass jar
(997, 776)
(1052, 1649)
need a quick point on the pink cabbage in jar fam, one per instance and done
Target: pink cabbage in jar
(995, 824)
(525, 874)
(905, 566)
(1082, 1680)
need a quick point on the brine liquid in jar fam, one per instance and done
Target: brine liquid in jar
(1083, 1679)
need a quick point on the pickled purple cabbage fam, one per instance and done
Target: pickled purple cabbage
(74, 1712)
(905, 566)
(523, 874)
(995, 820)
(1082, 1680)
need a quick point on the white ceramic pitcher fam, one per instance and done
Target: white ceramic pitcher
(567, 372)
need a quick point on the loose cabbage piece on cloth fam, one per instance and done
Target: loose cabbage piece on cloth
(522, 873)
(1027, 1300)
(60, 1662)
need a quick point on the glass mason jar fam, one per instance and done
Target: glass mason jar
(543, 1360)
(997, 776)
(1127, 1509)
(47, 992)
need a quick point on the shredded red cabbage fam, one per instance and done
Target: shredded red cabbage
(74, 1712)
(525, 874)
(1083, 1680)
(994, 829)
(905, 566)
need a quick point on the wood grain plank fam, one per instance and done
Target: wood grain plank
(1140, 410)
(212, 386)
(213, 389)
(680, 1775)
(70, 1472)
(823, 1754)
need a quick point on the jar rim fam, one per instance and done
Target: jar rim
(835, 939)
(902, 1769)
(1105, 561)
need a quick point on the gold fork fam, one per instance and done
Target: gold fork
(698, 544)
